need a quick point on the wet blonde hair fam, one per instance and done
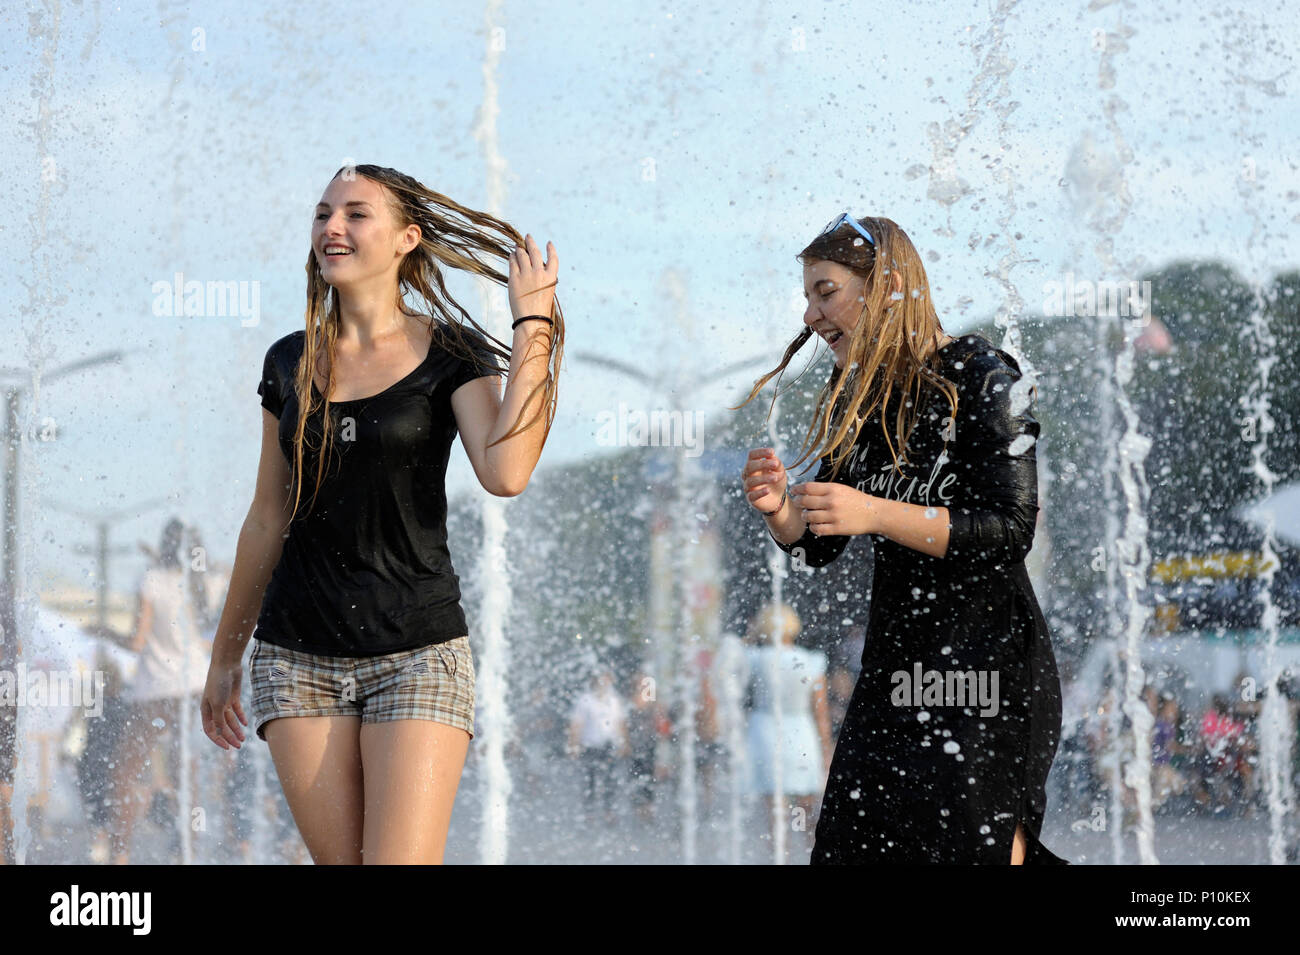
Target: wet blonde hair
(892, 348)
(450, 234)
(774, 620)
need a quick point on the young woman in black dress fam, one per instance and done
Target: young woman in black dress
(927, 444)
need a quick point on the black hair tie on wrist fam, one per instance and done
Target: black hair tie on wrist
(777, 511)
(543, 318)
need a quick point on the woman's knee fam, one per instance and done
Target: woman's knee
(1019, 846)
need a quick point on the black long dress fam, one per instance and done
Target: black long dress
(917, 776)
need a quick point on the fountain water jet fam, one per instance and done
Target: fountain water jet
(493, 576)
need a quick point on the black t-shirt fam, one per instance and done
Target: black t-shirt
(368, 571)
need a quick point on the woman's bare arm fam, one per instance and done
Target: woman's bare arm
(143, 624)
(832, 509)
(483, 415)
(923, 529)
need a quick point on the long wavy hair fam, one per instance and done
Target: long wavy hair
(450, 235)
(891, 351)
(168, 557)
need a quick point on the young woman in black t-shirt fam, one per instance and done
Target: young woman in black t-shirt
(362, 677)
(926, 444)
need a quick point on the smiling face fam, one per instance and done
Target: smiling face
(355, 236)
(835, 299)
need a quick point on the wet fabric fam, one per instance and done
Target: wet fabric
(429, 683)
(956, 715)
(367, 569)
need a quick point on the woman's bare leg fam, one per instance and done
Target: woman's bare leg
(318, 760)
(1019, 846)
(412, 771)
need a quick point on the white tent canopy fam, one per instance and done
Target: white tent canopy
(1284, 507)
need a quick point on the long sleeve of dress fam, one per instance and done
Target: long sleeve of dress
(994, 451)
(813, 550)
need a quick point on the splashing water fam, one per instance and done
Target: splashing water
(688, 677)
(1133, 553)
(43, 300)
(777, 567)
(1275, 736)
(493, 574)
(945, 186)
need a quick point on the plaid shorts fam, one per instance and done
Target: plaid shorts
(428, 683)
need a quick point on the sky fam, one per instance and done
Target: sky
(678, 155)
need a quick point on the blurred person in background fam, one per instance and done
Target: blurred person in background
(171, 616)
(1246, 709)
(94, 763)
(597, 737)
(1221, 740)
(710, 749)
(643, 715)
(845, 664)
(1166, 781)
(779, 673)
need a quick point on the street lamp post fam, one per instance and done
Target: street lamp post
(103, 521)
(10, 639)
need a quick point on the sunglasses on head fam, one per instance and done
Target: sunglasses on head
(842, 218)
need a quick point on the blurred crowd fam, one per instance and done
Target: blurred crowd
(629, 744)
(1205, 760)
(144, 759)
(767, 708)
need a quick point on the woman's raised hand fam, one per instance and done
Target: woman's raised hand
(764, 478)
(532, 279)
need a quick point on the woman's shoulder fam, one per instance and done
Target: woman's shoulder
(282, 354)
(478, 344)
(972, 362)
(288, 346)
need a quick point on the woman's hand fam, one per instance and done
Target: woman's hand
(831, 508)
(764, 479)
(221, 704)
(532, 281)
